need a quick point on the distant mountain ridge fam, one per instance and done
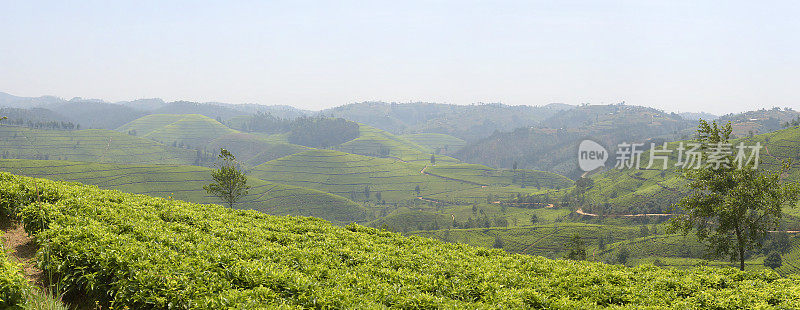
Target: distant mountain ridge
(96, 113)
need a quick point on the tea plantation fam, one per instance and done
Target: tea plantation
(135, 251)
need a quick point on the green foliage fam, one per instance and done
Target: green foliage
(230, 182)
(621, 256)
(773, 260)
(141, 252)
(730, 208)
(13, 286)
(577, 248)
(322, 132)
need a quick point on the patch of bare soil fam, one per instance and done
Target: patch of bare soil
(23, 249)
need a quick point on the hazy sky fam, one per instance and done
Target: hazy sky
(715, 56)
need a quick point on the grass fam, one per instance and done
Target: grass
(43, 299)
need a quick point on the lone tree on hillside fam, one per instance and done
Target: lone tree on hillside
(731, 207)
(577, 248)
(230, 182)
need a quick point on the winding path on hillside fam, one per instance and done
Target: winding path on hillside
(449, 178)
(581, 212)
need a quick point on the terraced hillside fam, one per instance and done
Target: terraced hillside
(552, 144)
(485, 175)
(548, 240)
(186, 183)
(654, 190)
(202, 133)
(349, 175)
(431, 216)
(674, 246)
(438, 142)
(791, 260)
(140, 252)
(379, 143)
(92, 145)
(253, 149)
(552, 240)
(192, 130)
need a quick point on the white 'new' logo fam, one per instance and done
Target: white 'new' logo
(591, 155)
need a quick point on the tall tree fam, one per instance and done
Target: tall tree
(230, 182)
(731, 208)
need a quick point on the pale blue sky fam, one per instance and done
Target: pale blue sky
(715, 56)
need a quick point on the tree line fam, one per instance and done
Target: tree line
(308, 131)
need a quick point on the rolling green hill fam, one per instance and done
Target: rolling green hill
(186, 183)
(253, 149)
(202, 133)
(92, 145)
(379, 143)
(192, 130)
(141, 252)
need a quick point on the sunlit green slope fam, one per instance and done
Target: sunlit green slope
(445, 144)
(355, 176)
(193, 130)
(186, 183)
(95, 145)
(376, 142)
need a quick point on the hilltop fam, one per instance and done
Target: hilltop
(191, 130)
(467, 122)
(552, 145)
(759, 121)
